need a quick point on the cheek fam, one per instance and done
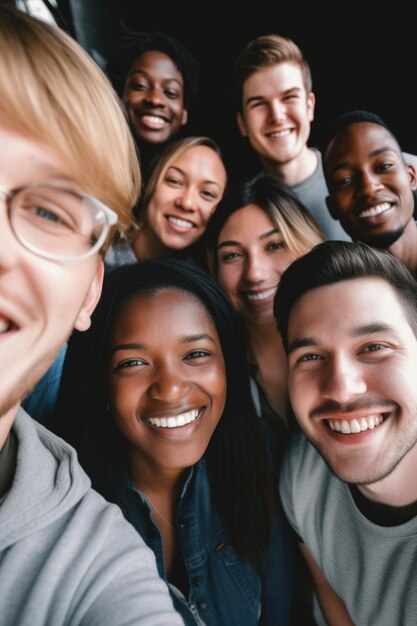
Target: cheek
(206, 211)
(155, 208)
(124, 395)
(228, 279)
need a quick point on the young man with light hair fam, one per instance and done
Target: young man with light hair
(275, 109)
(66, 555)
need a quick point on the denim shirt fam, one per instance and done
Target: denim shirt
(224, 590)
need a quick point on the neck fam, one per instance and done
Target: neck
(400, 487)
(405, 248)
(154, 480)
(147, 246)
(266, 346)
(263, 335)
(294, 171)
(6, 423)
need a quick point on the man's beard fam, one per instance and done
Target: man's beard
(383, 240)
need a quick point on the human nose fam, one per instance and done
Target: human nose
(368, 183)
(187, 199)
(155, 96)
(167, 385)
(277, 111)
(255, 269)
(342, 380)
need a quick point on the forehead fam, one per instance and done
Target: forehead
(331, 314)
(360, 139)
(197, 157)
(26, 159)
(246, 224)
(168, 312)
(273, 80)
(158, 64)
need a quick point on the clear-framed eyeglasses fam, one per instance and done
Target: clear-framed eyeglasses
(57, 222)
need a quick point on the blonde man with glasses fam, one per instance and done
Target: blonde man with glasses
(66, 555)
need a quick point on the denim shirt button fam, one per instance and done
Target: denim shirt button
(202, 605)
(183, 523)
(196, 581)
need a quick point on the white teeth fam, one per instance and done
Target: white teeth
(280, 133)
(4, 326)
(375, 210)
(154, 120)
(348, 427)
(174, 422)
(263, 295)
(180, 223)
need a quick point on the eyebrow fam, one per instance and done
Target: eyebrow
(143, 346)
(181, 171)
(374, 153)
(360, 331)
(145, 73)
(258, 98)
(231, 242)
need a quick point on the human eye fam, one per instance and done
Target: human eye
(138, 85)
(305, 360)
(171, 93)
(311, 356)
(275, 245)
(197, 354)
(129, 363)
(208, 194)
(49, 210)
(386, 165)
(343, 181)
(291, 96)
(374, 347)
(228, 257)
(256, 104)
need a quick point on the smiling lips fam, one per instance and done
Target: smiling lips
(357, 425)
(174, 421)
(375, 210)
(179, 224)
(261, 295)
(152, 121)
(277, 134)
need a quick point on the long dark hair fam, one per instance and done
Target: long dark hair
(240, 473)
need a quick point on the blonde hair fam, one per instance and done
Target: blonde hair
(54, 92)
(291, 218)
(166, 158)
(265, 51)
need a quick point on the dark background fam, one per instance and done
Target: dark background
(360, 63)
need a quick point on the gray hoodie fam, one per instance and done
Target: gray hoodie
(66, 555)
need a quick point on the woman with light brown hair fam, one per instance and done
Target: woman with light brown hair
(258, 231)
(186, 184)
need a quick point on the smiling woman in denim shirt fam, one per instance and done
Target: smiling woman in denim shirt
(172, 438)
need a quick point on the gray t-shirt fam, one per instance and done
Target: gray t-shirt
(372, 568)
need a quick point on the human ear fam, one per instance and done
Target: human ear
(83, 321)
(184, 117)
(311, 105)
(241, 124)
(332, 208)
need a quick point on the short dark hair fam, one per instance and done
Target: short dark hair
(131, 45)
(349, 118)
(334, 261)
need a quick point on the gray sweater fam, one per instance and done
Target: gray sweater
(66, 555)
